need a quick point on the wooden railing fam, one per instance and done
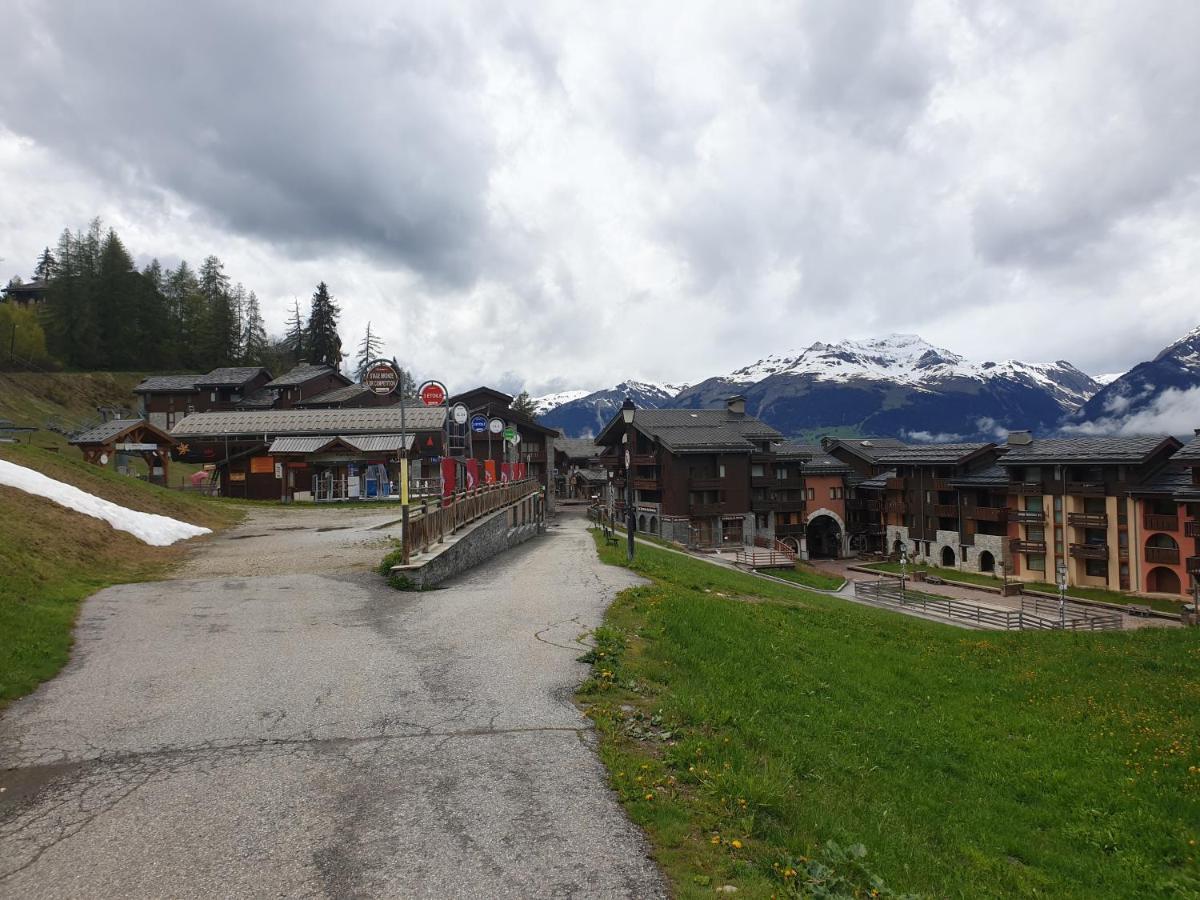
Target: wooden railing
(1156, 522)
(942, 484)
(430, 521)
(1193, 565)
(1086, 488)
(1166, 555)
(987, 513)
(945, 510)
(1088, 520)
(1019, 546)
(1089, 551)
(647, 484)
(764, 558)
(1028, 516)
(706, 509)
(1192, 529)
(705, 484)
(1027, 488)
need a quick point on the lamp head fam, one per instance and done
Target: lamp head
(627, 409)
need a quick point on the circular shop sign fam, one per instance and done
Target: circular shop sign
(460, 413)
(510, 434)
(432, 393)
(381, 377)
(479, 424)
(496, 426)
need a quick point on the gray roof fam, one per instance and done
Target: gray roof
(260, 399)
(600, 475)
(107, 431)
(879, 482)
(230, 376)
(930, 454)
(578, 448)
(367, 443)
(823, 462)
(337, 395)
(168, 384)
(813, 457)
(1084, 449)
(1171, 478)
(868, 448)
(992, 476)
(699, 430)
(300, 375)
(277, 422)
(1190, 452)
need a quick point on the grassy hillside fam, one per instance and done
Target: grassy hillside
(52, 557)
(792, 744)
(32, 398)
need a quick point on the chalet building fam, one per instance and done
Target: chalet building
(533, 457)
(945, 505)
(302, 383)
(578, 472)
(165, 399)
(319, 454)
(25, 293)
(1189, 497)
(805, 490)
(120, 439)
(865, 481)
(691, 472)
(1076, 501)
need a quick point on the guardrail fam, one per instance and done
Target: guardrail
(764, 558)
(432, 520)
(1072, 616)
(889, 593)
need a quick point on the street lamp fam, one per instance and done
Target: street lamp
(903, 568)
(627, 411)
(1062, 592)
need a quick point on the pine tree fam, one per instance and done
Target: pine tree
(154, 274)
(46, 264)
(524, 404)
(322, 341)
(219, 331)
(295, 334)
(254, 335)
(368, 351)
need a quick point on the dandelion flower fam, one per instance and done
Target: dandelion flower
(735, 844)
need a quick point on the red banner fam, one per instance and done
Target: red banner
(472, 474)
(505, 472)
(447, 477)
(489, 471)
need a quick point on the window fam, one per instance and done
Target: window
(1096, 568)
(721, 471)
(1058, 517)
(833, 493)
(1033, 504)
(757, 470)
(1035, 533)
(1035, 562)
(781, 472)
(812, 493)
(213, 397)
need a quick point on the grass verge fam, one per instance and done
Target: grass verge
(792, 744)
(52, 557)
(1082, 593)
(806, 576)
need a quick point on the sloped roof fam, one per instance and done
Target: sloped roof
(578, 448)
(697, 430)
(992, 476)
(879, 482)
(366, 443)
(168, 384)
(337, 395)
(260, 399)
(1129, 450)
(868, 448)
(281, 422)
(229, 376)
(932, 454)
(1170, 479)
(302, 374)
(1190, 452)
(107, 432)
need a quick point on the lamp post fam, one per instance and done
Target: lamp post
(1062, 592)
(627, 411)
(903, 568)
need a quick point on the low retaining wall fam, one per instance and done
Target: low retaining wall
(502, 530)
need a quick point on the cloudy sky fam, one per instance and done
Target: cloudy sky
(563, 195)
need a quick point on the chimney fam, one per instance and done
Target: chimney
(736, 405)
(1020, 438)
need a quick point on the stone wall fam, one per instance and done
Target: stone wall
(503, 530)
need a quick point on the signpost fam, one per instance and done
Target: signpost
(432, 393)
(382, 377)
(460, 414)
(479, 424)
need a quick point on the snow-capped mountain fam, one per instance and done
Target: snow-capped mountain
(585, 413)
(1160, 395)
(543, 405)
(1107, 379)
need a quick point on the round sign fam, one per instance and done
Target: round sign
(460, 413)
(381, 377)
(516, 438)
(104, 459)
(432, 393)
(496, 426)
(510, 434)
(479, 424)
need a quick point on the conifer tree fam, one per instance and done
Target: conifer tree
(368, 350)
(254, 335)
(524, 405)
(219, 333)
(295, 338)
(44, 270)
(322, 342)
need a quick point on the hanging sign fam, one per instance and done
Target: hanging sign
(479, 424)
(432, 393)
(516, 438)
(496, 426)
(381, 377)
(510, 434)
(460, 414)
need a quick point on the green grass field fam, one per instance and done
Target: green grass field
(52, 557)
(1097, 594)
(766, 738)
(807, 576)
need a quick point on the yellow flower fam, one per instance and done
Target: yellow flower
(649, 797)
(735, 844)
(715, 839)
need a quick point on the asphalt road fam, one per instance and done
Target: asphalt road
(277, 722)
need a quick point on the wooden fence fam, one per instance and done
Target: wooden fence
(431, 520)
(760, 558)
(889, 593)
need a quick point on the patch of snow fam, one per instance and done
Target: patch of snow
(554, 401)
(158, 531)
(1107, 378)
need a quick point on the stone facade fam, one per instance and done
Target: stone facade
(968, 562)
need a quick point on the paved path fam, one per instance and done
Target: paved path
(258, 728)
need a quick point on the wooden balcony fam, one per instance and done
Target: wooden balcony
(895, 506)
(762, 481)
(946, 510)
(941, 484)
(764, 505)
(1027, 488)
(643, 459)
(762, 457)
(1087, 520)
(1027, 516)
(608, 460)
(987, 513)
(792, 481)
(647, 484)
(1086, 488)
(894, 484)
(1164, 555)
(1155, 522)
(705, 484)
(702, 510)
(791, 506)
(1020, 546)
(1089, 551)
(1193, 565)
(1192, 529)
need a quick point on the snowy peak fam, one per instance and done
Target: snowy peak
(645, 394)
(1185, 351)
(544, 404)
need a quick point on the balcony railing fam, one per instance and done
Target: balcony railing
(1192, 529)
(1166, 555)
(643, 459)
(1089, 551)
(1027, 488)
(705, 484)
(987, 513)
(941, 484)
(1088, 520)
(1086, 488)
(647, 484)
(763, 505)
(706, 509)
(762, 481)
(1193, 565)
(1019, 546)
(895, 506)
(1028, 516)
(946, 510)
(786, 505)
(1156, 522)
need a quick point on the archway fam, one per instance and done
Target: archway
(897, 546)
(948, 557)
(654, 524)
(987, 562)
(641, 523)
(1162, 542)
(793, 543)
(824, 538)
(1161, 580)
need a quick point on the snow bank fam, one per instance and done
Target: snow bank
(158, 531)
